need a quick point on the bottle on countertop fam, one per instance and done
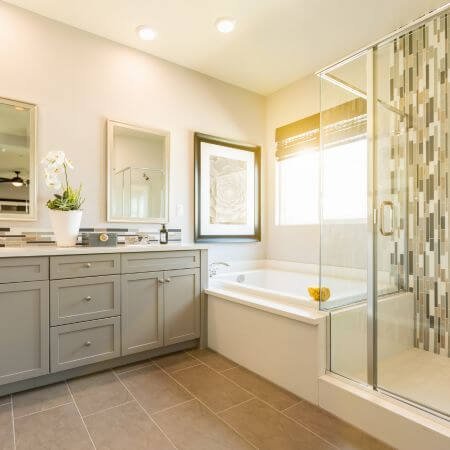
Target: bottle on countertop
(163, 235)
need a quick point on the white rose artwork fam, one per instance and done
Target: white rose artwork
(227, 186)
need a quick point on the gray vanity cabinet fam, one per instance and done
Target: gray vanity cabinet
(181, 305)
(24, 322)
(142, 312)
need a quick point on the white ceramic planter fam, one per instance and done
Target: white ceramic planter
(66, 226)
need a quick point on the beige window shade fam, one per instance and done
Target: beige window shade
(341, 123)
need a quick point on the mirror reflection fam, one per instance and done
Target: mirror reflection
(17, 144)
(138, 163)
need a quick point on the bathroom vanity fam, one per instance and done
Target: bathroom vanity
(65, 312)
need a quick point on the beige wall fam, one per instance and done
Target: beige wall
(79, 80)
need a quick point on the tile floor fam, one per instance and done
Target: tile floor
(195, 400)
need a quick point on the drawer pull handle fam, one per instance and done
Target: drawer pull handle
(88, 343)
(167, 280)
(88, 298)
(87, 265)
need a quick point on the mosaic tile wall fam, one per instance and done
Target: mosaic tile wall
(419, 86)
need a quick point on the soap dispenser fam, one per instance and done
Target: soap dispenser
(163, 235)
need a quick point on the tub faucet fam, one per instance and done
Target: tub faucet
(213, 268)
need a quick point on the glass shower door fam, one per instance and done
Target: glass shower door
(411, 160)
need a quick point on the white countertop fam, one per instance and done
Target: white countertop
(52, 250)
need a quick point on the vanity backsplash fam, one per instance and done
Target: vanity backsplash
(19, 237)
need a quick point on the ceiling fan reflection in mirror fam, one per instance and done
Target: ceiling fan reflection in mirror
(16, 181)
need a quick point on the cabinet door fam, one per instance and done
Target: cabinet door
(142, 311)
(24, 329)
(181, 305)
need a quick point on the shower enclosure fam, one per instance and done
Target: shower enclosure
(385, 219)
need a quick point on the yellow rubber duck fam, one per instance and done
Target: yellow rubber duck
(316, 293)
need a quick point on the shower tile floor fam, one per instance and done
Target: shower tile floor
(189, 400)
(418, 375)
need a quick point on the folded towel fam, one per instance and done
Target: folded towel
(317, 293)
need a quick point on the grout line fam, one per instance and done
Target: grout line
(107, 409)
(12, 421)
(211, 367)
(146, 413)
(237, 404)
(81, 417)
(295, 404)
(171, 407)
(9, 401)
(150, 363)
(42, 410)
(208, 408)
(229, 368)
(185, 368)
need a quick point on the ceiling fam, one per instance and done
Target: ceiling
(275, 41)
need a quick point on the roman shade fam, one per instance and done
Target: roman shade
(341, 123)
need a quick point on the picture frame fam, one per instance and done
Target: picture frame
(227, 197)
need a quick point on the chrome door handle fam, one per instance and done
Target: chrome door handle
(387, 204)
(88, 298)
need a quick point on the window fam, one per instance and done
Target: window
(298, 189)
(344, 185)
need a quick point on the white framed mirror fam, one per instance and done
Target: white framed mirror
(138, 174)
(18, 181)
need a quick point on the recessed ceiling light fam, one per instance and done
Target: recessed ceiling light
(3, 150)
(225, 24)
(146, 33)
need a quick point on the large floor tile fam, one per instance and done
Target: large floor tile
(192, 427)
(6, 428)
(212, 388)
(153, 389)
(334, 430)
(268, 429)
(261, 388)
(39, 399)
(126, 427)
(96, 392)
(133, 366)
(176, 361)
(59, 428)
(212, 359)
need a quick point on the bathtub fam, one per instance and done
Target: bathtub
(291, 287)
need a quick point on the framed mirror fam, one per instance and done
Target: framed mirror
(138, 174)
(17, 160)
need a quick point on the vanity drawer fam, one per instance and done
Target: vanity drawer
(79, 299)
(157, 261)
(79, 344)
(23, 269)
(84, 265)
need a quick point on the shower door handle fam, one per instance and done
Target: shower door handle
(387, 207)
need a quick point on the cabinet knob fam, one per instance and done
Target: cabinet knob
(167, 280)
(87, 265)
(160, 280)
(88, 298)
(88, 343)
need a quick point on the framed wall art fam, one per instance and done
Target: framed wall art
(227, 190)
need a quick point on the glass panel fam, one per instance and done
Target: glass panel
(343, 162)
(412, 240)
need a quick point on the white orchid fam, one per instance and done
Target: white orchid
(54, 159)
(56, 165)
(52, 180)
